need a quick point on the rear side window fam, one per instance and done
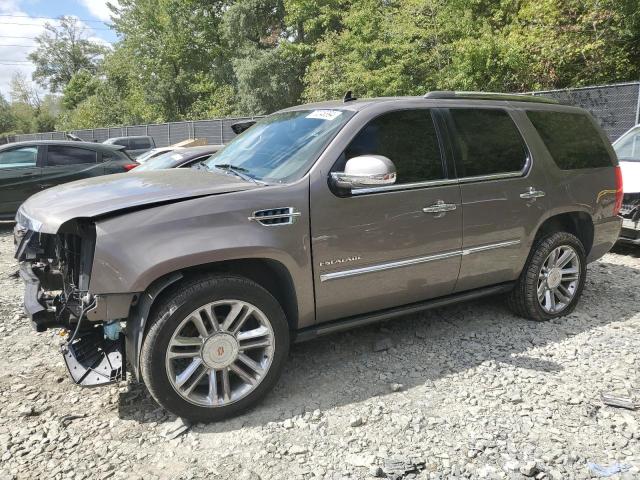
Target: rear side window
(115, 156)
(139, 143)
(571, 138)
(488, 142)
(58, 155)
(408, 138)
(19, 157)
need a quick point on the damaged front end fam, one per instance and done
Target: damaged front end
(630, 213)
(56, 270)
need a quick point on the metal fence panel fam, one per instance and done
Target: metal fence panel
(179, 131)
(615, 107)
(136, 130)
(160, 134)
(210, 130)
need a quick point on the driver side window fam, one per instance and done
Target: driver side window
(408, 138)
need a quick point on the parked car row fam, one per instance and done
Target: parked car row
(317, 219)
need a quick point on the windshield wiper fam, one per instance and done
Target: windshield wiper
(237, 171)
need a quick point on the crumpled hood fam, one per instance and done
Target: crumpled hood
(630, 176)
(48, 210)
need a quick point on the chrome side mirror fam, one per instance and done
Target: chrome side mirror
(366, 171)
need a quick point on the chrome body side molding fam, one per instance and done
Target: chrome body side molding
(413, 261)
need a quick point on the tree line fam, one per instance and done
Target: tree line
(194, 59)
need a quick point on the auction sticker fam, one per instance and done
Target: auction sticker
(325, 114)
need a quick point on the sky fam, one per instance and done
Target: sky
(23, 20)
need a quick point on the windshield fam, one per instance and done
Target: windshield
(281, 146)
(166, 160)
(628, 147)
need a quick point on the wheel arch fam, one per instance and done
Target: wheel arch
(578, 223)
(271, 274)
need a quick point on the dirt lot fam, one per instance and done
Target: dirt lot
(471, 391)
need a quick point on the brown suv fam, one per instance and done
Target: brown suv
(317, 219)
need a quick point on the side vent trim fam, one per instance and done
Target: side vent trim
(274, 217)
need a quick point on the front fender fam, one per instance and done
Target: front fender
(135, 249)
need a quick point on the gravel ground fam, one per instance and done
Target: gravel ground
(471, 391)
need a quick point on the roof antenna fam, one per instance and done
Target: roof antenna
(348, 97)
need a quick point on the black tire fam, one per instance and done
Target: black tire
(178, 303)
(523, 299)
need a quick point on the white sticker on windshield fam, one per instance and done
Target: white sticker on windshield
(325, 114)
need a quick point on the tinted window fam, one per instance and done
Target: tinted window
(63, 155)
(114, 156)
(572, 139)
(488, 142)
(122, 142)
(19, 157)
(139, 143)
(408, 138)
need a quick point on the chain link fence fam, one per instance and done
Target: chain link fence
(616, 107)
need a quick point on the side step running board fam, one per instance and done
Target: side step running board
(348, 323)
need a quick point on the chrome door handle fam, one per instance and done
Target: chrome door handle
(532, 193)
(440, 208)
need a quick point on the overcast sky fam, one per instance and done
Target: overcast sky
(22, 20)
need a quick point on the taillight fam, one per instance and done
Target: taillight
(130, 166)
(619, 191)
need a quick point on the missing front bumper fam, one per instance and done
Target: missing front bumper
(93, 360)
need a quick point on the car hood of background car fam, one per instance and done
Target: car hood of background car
(48, 210)
(630, 176)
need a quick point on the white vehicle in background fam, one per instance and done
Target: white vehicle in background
(155, 152)
(627, 148)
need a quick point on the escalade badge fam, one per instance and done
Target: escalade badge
(338, 261)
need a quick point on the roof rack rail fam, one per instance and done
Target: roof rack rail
(507, 97)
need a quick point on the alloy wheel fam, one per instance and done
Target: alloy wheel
(220, 353)
(558, 279)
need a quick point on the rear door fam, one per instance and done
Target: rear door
(64, 163)
(503, 194)
(19, 177)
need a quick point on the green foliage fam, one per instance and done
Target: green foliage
(193, 59)
(81, 86)
(62, 51)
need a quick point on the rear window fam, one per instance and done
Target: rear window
(488, 142)
(571, 138)
(139, 143)
(62, 155)
(115, 155)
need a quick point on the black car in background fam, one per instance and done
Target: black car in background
(29, 167)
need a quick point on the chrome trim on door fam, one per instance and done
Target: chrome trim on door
(386, 266)
(491, 246)
(413, 261)
(404, 186)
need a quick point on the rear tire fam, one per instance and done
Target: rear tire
(552, 280)
(216, 346)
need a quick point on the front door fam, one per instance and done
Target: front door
(381, 247)
(503, 196)
(19, 177)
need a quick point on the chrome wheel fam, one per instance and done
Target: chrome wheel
(220, 353)
(558, 279)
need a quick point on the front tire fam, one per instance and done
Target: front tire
(552, 280)
(216, 345)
